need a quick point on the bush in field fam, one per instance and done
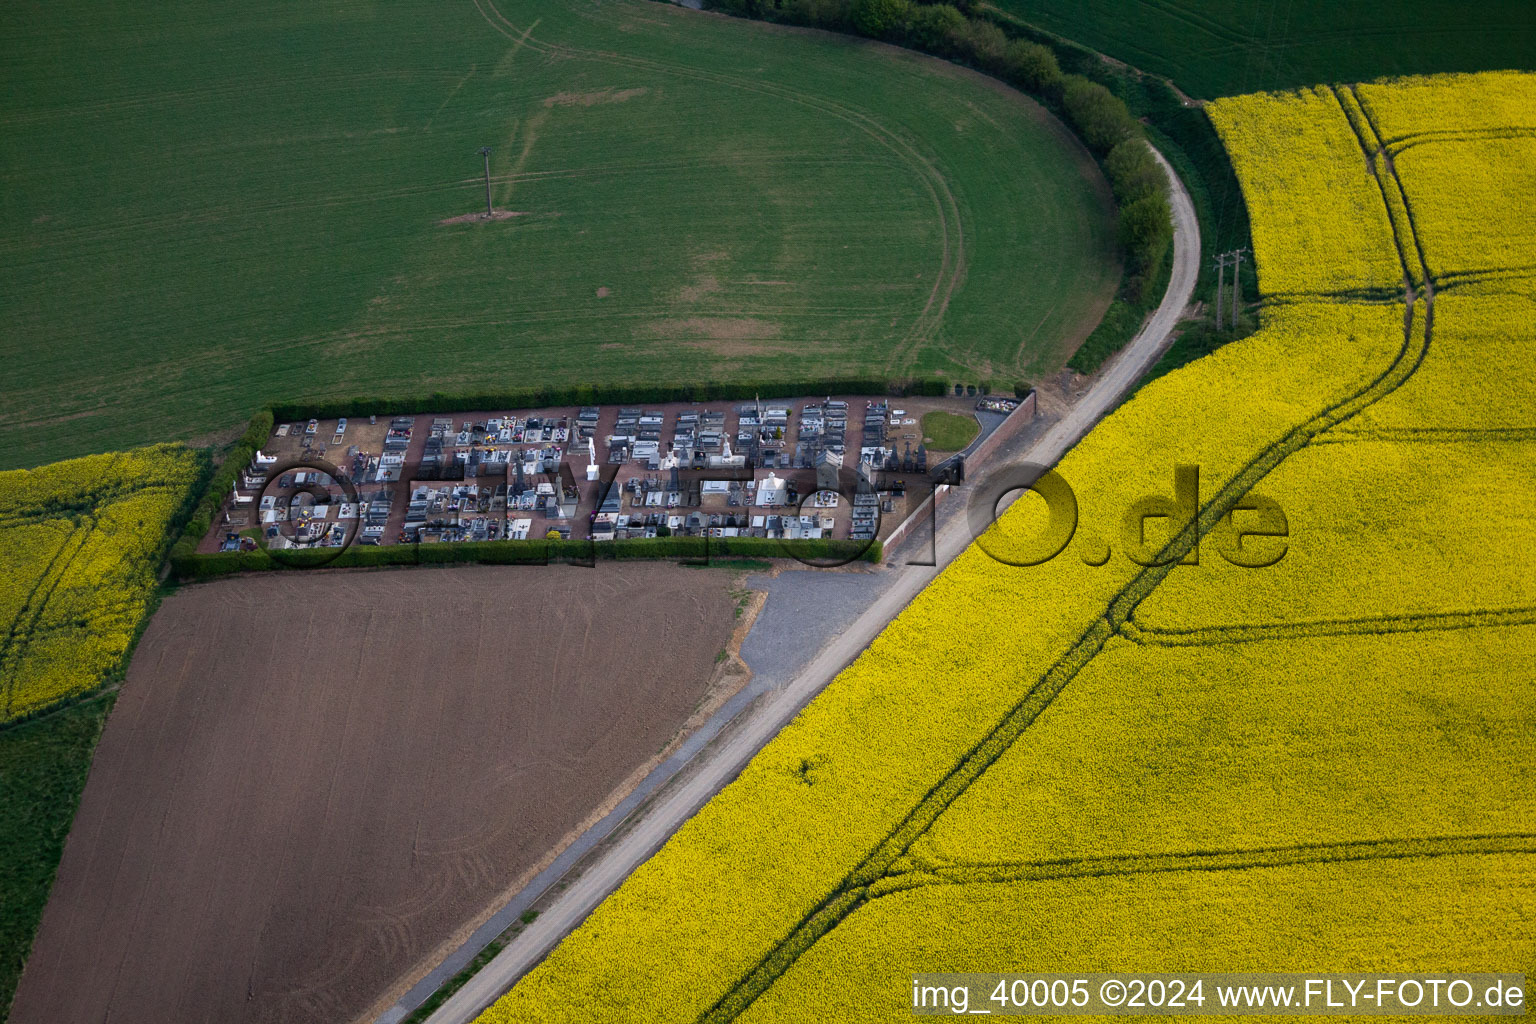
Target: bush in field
(984, 43)
(836, 15)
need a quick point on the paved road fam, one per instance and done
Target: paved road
(774, 711)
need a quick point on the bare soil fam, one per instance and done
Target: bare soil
(475, 218)
(715, 328)
(312, 783)
(589, 99)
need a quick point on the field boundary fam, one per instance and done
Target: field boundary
(533, 551)
(935, 386)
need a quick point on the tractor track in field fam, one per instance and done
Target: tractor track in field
(1432, 435)
(1239, 633)
(14, 645)
(1397, 144)
(925, 874)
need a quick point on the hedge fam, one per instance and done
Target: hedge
(521, 552)
(619, 394)
(220, 483)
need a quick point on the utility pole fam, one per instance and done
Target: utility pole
(485, 151)
(1237, 259)
(1221, 284)
(1233, 259)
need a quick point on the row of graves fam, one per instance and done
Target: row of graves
(485, 479)
(698, 437)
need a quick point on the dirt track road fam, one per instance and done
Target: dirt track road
(763, 722)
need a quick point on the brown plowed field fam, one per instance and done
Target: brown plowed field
(312, 782)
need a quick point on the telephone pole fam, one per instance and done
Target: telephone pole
(1221, 284)
(1233, 259)
(1237, 259)
(485, 151)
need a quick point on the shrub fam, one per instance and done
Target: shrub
(540, 551)
(935, 27)
(1099, 116)
(1031, 66)
(984, 43)
(828, 14)
(1145, 233)
(1133, 172)
(613, 394)
(881, 19)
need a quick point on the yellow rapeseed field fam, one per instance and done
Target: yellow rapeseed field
(1476, 378)
(1472, 224)
(1380, 528)
(1437, 917)
(1163, 749)
(1289, 144)
(1093, 764)
(1491, 103)
(80, 542)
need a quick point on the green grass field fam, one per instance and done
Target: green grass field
(1224, 47)
(43, 764)
(949, 432)
(202, 210)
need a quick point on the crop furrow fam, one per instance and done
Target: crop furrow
(16, 640)
(1431, 435)
(1398, 144)
(1229, 860)
(1155, 636)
